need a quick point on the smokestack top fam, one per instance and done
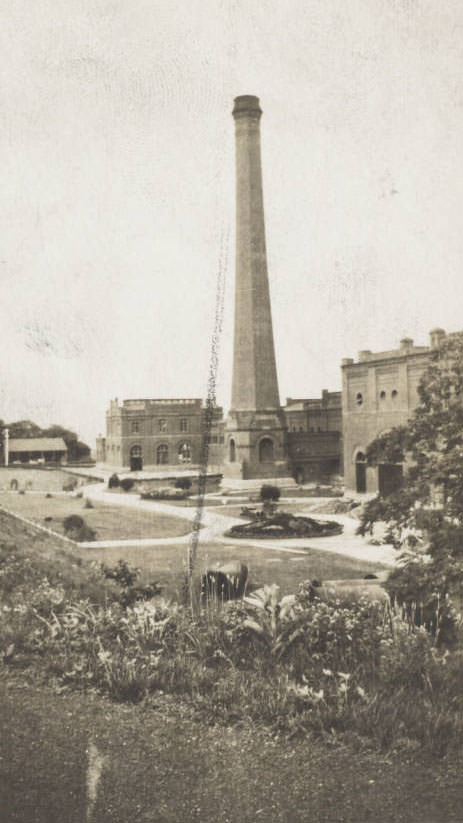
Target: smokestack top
(247, 105)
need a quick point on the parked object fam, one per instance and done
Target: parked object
(228, 582)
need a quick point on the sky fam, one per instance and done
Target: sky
(117, 190)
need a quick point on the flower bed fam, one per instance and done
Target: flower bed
(286, 525)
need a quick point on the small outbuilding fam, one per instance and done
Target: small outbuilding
(37, 450)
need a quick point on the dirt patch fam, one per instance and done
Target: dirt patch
(157, 761)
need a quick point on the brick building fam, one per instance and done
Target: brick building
(314, 438)
(156, 433)
(379, 391)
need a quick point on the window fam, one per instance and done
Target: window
(135, 426)
(184, 453)
(163, 425)
(183, 424)
(394, 394)
(359, 398)
(382, 395)
(232, 451)
(162, 454)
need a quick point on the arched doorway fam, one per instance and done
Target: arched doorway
(184, 453)
(136, 459)
(360, 472)
(232, 451)
(162, 454)
(266, 450)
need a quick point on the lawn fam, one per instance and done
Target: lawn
(108, 521)
(167, 564)
(76, 757)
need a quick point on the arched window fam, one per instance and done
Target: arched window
(184, 453)
(162, 454)
(232, 451)
(266, 450)
(359, 398)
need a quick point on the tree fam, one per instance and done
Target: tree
(425, 516)
(76, 449)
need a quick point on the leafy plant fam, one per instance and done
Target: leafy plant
(77, 529)
(127, 483)
(269, 493)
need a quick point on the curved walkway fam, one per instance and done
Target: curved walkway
(215, 523)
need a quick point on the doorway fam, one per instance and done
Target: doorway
(136, 459)
(360, 473)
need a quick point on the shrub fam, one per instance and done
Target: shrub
(114, 482)
(269, 493)
(127, 483)
(72, 522)
(88, 504)
(77, 529)
(70, 485)
(127, 577)
(165, 494)
(183, 483)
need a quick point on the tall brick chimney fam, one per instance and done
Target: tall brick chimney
(255, 384)
(255, 441)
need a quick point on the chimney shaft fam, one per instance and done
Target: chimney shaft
(255, 384)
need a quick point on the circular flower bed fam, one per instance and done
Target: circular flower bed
(286, 525)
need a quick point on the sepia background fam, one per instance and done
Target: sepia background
(117, 190)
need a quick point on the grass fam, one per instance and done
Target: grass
(108, 521)
(46, 480)
(167, 564)
(159, 763)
